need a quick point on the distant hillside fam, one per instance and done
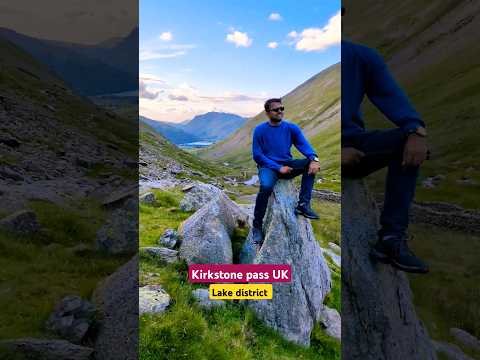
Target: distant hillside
(89, 70)
(314, 106)
(173, 133)
(213, 126)
(435, 57)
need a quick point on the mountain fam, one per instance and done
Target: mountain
(314, 106)
(435, 59)
(89, 70)
(173, 133)
(213, 126)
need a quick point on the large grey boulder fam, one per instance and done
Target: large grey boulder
(331, 322)
(379, 321)
(43, 349)
(197, 195)
(153, 299)
(71, 318)
(147, 198)
(169, 238)
(22, 222)
(116, 300)
(119, 234)
(206, 234)
(295, 306)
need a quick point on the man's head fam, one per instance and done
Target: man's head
(274, 109)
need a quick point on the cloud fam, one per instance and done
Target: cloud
(275, 17)
(316, 39)
(145, 93)
(166, 36)
(292, 34)
(148, 78)
(152, 55)
(177, 98)
(272, 45)
(240, 39)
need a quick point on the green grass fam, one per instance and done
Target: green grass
(164, 214)
(186, 331)
(328, 228)
(37, 271)
(448, 296)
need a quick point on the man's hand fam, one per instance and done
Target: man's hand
(313, 168)
(285, 170)
(415, 151)
(351, 156)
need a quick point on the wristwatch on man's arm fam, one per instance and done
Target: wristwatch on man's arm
(420, 131)
(314, 158)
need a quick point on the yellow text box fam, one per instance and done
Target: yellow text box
(240, 291)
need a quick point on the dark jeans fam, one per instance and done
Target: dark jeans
(269, 177)
(384, 148)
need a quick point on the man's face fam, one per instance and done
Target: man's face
(276, 113)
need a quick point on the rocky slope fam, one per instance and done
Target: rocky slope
(55, 145)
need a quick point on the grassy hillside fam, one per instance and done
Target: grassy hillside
(314, 106)
(435, 57)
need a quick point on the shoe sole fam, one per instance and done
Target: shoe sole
(307, 216)
(385, 259)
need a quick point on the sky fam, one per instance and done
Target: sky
(227, 55)
(77, 21)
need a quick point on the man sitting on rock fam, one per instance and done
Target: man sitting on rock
(402, 150)
(271, 145)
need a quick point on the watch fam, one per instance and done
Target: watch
(420, 131)
(315, 158)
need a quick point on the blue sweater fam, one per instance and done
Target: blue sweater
(364, 73)
(271, 144)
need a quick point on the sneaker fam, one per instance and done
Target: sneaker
(257, 235)
(306, 210)
(395, 250)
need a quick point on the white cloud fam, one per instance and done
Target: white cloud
(272, 45)
(166, 36)
(240, 39)
(275, 17)
(292, 34)
(152, 55)
(145, 93)
(316, 39)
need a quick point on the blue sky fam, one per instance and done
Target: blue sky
(199, 56)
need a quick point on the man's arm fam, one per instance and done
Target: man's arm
(388, 97)
(301, 143)
(259, 157)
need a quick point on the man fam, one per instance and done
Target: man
(402, 150)
(271, 145)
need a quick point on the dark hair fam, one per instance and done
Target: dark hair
(269, 101)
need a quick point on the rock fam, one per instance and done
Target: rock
(153, 299)
(203, 299)
(119, 234)
(161, 253)
(119, 197)
(465, 338)
(147, 198)
(80, 249)
(452, 352)
(254, 180)
(432, 181)
(116, 300)
(44, 349)
(336, 259)
(71, 318)
(379, 321)
(335, 247)
(296, 306)
(22, 222)
(206, 234)
(199, 195)
(332, 322)
(327, 195)
(169, 238)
